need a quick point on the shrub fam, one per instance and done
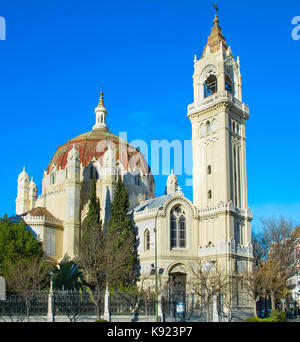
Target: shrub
(253, 319)
(276, 316)
(279, 316)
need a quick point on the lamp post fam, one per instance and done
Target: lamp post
(156, 275)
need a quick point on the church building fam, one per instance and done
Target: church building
(171, 229)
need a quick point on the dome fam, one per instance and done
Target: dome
(92, 145)
(23, 176)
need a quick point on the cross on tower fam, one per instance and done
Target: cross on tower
(216, 8)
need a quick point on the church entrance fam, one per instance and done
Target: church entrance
(177, 295)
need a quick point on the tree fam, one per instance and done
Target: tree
(25, 277)
(93, 216)
(17, 242)
(92, 262)
(255, 285)
(260, 248)
(92, 257)
(120, 242)
(272, 249)
(108, 257)
(208, 280)
(67, 275)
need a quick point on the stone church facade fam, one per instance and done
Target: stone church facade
(171, 229)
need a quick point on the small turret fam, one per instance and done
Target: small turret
(22, 200)
(32, 194)
(172, 184)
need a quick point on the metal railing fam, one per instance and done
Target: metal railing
(78, 305)
(217, 97)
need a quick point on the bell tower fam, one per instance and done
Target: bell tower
(218, 117)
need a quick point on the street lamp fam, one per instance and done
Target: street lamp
(51, 280)
(156, 275)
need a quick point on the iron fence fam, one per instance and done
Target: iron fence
(80, 303)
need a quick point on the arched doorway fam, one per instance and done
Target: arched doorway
(177, 292)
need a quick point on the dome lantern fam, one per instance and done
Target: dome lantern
(101, 113)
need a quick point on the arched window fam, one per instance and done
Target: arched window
(182, 231)
(147, 240)
(178, 228)
(233, 126)
(214, 124)
(173, 230)
(208, 126)
(209, 170)
(52, 178)
(210, 85)
(93, 171)
(209, 194)
(137, 180)
(228, 84)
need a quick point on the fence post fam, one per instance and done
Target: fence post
(215, 310)
(160, 311)
(50, 314)
(106, 305)
(2, 289)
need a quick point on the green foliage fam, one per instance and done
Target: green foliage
(279, 316)
(93, 215)
(120, 240)
(67, 275)
(276, 316)
(253, 319)
(16, 243)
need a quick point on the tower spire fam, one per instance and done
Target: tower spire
(101, 102)
(216, 38)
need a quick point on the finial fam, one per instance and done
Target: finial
(101, 92)
(216, 19)
(216, 8)
(101, 102)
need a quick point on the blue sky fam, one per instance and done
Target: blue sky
(58, 53)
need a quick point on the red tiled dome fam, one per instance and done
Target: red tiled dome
(92, 145)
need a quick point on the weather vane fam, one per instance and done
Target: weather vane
(216, 8)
